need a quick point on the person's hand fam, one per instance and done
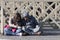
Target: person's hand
(19, 27)
(23, 28)
(37, 25)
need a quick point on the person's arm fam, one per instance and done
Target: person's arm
(37, 26)
(11, 25)
(36, 29)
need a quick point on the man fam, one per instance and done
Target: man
(30, 24)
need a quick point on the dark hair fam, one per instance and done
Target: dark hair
(16, 18)
(18, 14)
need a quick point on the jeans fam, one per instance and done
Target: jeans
(27, 30)
(8, 32)
(19, 30)
(30, 30)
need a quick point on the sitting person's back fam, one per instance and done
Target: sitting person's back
(31, 25)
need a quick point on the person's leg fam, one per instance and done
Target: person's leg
(5, 31)
(19, 31)
(8, 32)
(24, 33)
(27, 31)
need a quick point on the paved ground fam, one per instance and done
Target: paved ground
(56, 37)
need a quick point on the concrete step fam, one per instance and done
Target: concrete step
(50, 31)
(47, 25)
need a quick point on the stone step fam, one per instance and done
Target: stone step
(47, 24)
(47, 27)
(50, 31)
(50, 25)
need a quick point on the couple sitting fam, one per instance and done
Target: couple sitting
(22, 25)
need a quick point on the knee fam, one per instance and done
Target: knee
(18, 30)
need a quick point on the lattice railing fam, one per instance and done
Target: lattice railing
(0, 15)
(40, 9)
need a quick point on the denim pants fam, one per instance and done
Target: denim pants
(19, 30)
(9, 32)
(28, 30)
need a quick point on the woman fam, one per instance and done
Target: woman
(16, 23)
(16, 20)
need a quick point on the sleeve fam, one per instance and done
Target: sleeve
(10, 24)
(36, 26)
(35, 23)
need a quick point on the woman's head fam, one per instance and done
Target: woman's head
(17, 16)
